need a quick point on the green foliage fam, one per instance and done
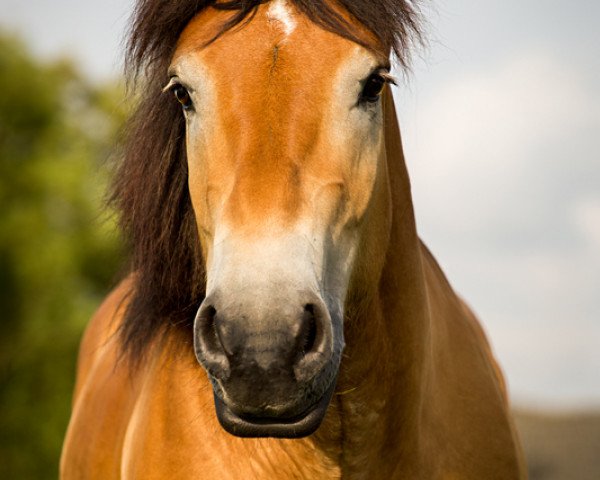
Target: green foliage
(59, 253)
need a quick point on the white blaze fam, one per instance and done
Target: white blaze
(279, 11)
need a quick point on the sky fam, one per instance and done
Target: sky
(501, 128)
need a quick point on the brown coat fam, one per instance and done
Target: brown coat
(418, 396)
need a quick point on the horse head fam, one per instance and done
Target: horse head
(286, 160)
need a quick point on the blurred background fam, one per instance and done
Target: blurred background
(501, 127)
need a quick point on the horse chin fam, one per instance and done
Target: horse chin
(295, 427)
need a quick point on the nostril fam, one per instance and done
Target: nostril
(208, 345)
(309, 330)
(315, 342)
(209, 329)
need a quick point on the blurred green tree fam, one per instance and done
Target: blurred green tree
(59, 254)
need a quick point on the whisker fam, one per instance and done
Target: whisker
(168, 86)
(389, 78)
(345, 392)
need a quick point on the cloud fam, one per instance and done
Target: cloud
(486, 139)
(586, 217)
(506, 180)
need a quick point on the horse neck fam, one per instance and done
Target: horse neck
(381, 384)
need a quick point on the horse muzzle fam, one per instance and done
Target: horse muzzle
(273, 364)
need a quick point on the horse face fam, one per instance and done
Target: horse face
(284, 140)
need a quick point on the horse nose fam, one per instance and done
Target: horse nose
(297, 343)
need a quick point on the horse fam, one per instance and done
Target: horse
(281, 318)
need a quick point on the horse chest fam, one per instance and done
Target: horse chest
(173, 433)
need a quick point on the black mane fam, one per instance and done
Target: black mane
(150, 189)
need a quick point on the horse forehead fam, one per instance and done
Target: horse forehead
(282, 15)
(271, 89)
(277, 39)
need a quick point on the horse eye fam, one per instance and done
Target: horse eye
(182, 96)
(373, 88)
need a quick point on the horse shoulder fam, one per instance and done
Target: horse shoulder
(101, 329)
(103, 397)
(469, 390)
(455, 323)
